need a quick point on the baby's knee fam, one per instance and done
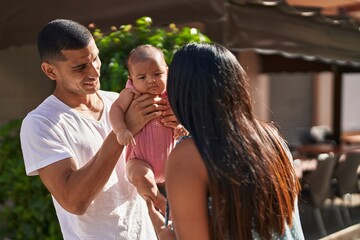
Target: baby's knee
(137, 170)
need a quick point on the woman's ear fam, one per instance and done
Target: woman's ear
(48, 69)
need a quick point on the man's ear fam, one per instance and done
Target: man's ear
(48, 69)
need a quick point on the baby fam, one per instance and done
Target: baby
(147, 152)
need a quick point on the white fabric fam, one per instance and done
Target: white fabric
(53, 132)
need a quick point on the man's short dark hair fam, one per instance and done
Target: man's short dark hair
(61, 34)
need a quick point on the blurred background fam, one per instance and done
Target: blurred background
(302, 56)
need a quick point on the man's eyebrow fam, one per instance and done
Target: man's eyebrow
(84, 64)
(79, 66)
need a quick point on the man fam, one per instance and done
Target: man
(68, 141)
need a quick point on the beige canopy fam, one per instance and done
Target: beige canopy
(267, 26)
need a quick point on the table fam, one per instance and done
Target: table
(306, 156)
(351, 139)
(312, 150)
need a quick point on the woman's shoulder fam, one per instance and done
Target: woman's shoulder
(185, 148)
(186, 160)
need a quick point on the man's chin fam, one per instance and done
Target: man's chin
(93, 90)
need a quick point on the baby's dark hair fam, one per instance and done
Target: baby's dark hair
(61, 34)
(141, 53)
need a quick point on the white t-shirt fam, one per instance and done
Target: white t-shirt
(53, 132)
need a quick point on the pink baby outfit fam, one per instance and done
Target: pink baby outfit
(153, 144)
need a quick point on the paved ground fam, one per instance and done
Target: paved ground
(331, 222)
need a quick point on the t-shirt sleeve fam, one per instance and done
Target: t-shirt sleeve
(42, 144)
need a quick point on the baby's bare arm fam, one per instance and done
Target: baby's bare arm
(117, 117)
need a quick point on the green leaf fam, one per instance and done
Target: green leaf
(26, 208)
(116, 45)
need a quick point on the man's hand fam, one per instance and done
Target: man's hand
(168, 119)
(180, 131)
(142, 109)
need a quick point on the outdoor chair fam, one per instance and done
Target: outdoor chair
(316, 187)
(345, 179)
(322, 134)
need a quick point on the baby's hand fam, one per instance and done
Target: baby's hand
(180, 131)
(125, 137)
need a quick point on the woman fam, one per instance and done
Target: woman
(233, 178)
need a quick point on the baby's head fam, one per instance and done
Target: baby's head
(147, 69)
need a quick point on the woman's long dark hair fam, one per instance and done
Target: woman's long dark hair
(251, 180)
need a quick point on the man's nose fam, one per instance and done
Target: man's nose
(94, 71)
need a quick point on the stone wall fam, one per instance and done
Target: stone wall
(23, 84)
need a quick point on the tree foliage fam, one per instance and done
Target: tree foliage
(116, 45)
(26, 209)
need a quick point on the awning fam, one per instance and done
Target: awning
(21, 20)
(266, 26)
(279, 28)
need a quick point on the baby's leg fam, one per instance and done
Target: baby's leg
(142, 177)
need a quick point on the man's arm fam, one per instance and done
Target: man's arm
(74, 188)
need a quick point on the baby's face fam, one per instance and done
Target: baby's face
(150, 75)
